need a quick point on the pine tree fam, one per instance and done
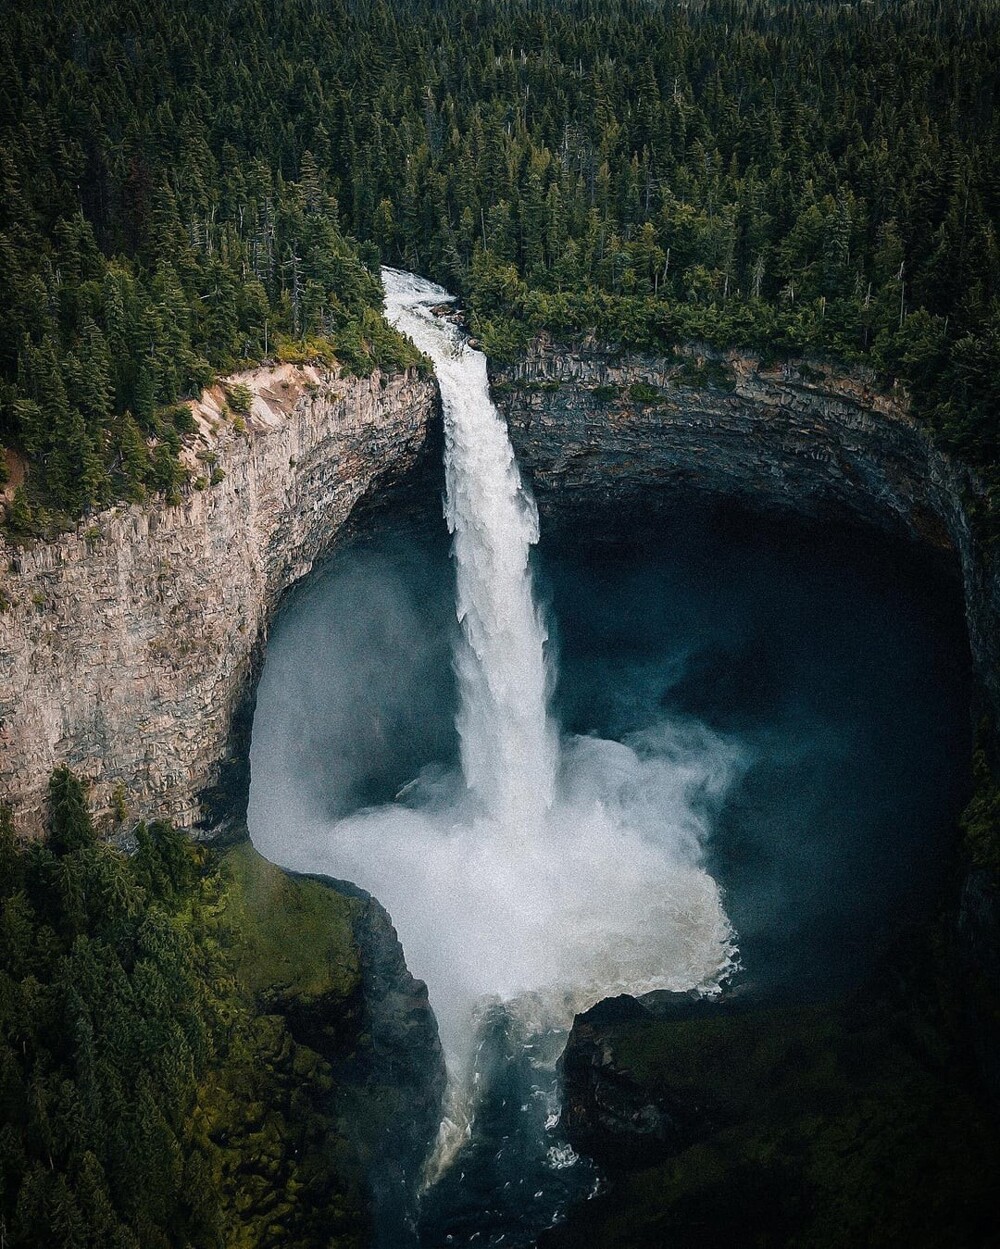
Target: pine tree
(71, 827)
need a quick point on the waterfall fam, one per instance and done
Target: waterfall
(576, 872)
(555, 869)
(549, 870)
(509, 746)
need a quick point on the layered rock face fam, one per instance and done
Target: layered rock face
(604, 435)
(599, 432)
(127, 647)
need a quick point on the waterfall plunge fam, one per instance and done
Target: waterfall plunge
(547, 908)
(509, 747)
(551, 873)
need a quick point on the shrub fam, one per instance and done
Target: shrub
(643, 392)
(182, 419)
(240, 398)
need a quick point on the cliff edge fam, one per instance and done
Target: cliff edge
(127, 647)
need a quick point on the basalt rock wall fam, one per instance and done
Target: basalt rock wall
(603, 435)
(600, 433)
(127, 647)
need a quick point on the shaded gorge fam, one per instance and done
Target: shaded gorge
(710, 719)
(830, 669)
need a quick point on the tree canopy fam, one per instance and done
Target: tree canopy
(159, 1085)
(183, 184)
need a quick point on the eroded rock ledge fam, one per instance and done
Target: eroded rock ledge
(597, 428)
(127, 646)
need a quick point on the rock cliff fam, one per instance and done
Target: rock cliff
(317, 1108)
(603, 435)
(848, 1122)
(600, 431)
(127, 647)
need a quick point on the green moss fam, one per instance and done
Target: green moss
(538, 388)
(643, 392)
(283, 933)
(267, 1113)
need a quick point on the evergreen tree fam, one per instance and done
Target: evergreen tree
(818, 173)
(71, 825)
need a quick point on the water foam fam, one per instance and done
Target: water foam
(509, 746)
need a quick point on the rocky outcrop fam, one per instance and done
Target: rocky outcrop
(979, 950)
(127, 648)
(317, 1115)
(405, 1088)
(608, 1114)
(605, 437)
(854, 1121)
(601, 431)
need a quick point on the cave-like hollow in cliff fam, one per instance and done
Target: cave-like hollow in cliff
(794, 690)
(824, 666)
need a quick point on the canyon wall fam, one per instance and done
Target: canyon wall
(597, 431)
(127, 647)
(603, 435)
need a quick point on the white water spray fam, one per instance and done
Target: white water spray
(557, 873)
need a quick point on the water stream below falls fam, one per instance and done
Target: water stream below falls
(542, 844)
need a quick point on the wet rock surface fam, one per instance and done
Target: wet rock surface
(402, 1101)
(608, 1114)
(860, 1121)
(979, 952)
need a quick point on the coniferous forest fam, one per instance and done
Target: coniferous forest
(168, 1072)
(188, 187)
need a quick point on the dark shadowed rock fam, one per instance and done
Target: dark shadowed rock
(396, 1071)
(979, 948)
(608, 1114)
(725, 1124)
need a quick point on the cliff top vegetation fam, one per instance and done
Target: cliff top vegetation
(179, 1033)
(182, 190)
